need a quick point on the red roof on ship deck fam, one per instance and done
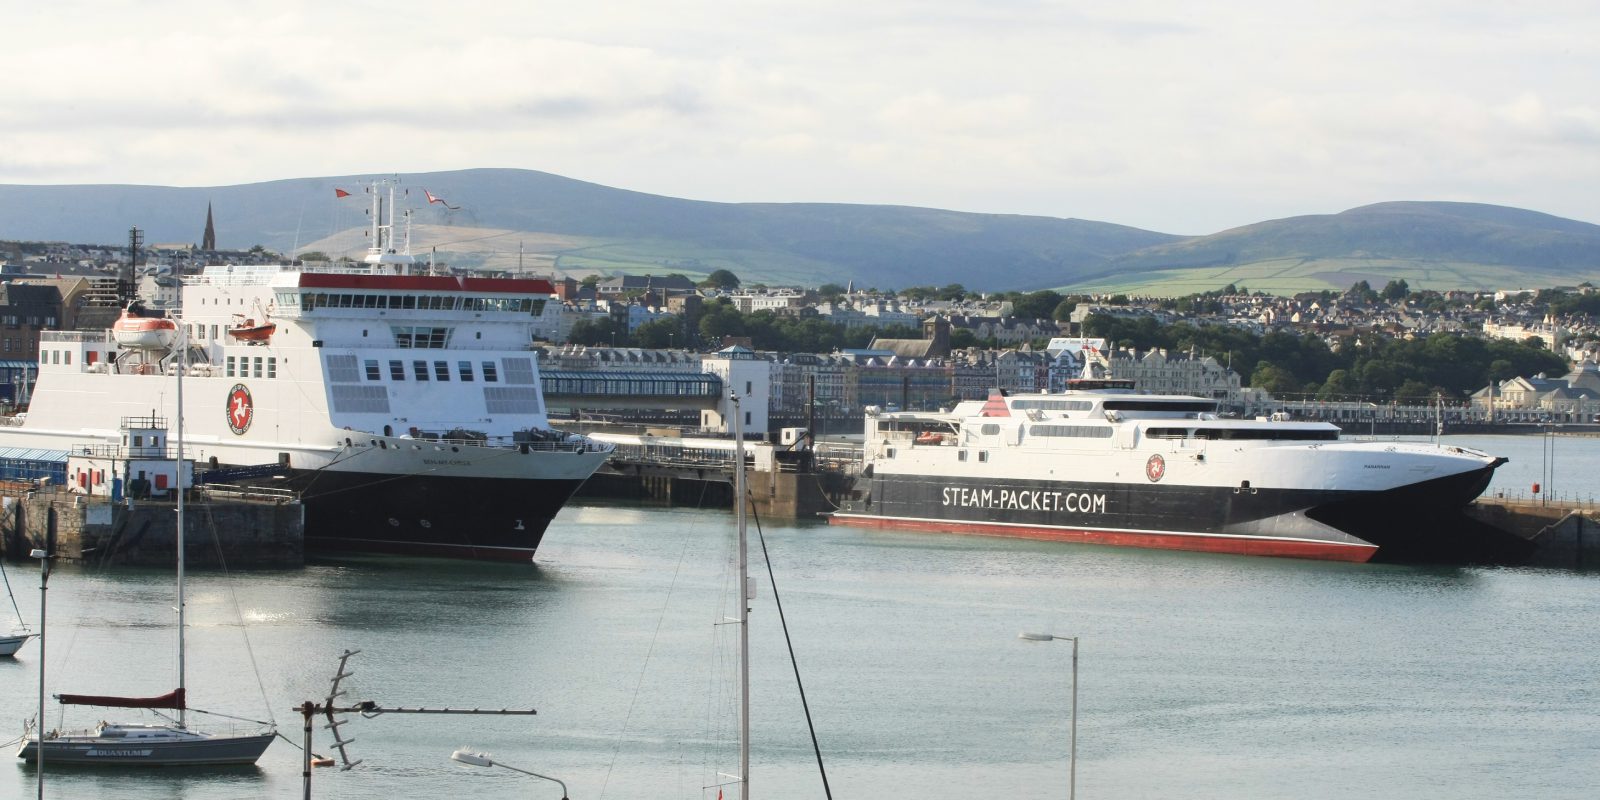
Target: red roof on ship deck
(325, 280)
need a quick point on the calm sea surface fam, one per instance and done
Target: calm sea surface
(1202, 676)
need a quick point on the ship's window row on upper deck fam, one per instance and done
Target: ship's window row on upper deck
(310, 301)
(1072, 431)
(1277, 434)
(250, 367)
(1024, 404)
(345, 369)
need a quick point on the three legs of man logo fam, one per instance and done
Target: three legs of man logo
(1155, 468)
(241, 409)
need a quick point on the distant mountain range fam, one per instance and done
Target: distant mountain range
(541, 222)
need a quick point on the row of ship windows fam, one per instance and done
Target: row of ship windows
(248, 367)
(1241, 433)
(310, 301)
(440, 372)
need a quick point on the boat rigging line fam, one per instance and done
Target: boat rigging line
(793, 662)
(655, 636)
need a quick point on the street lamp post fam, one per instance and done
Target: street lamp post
(481, 760)
(1072, 760)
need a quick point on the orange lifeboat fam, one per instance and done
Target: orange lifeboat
(929, 437)
(249, 331)
(137, 332)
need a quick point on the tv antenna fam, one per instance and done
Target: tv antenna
(368, 709)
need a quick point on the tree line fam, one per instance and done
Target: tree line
(1367, 365)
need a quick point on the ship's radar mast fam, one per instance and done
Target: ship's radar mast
(385, 255)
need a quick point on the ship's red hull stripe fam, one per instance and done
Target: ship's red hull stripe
(1196, 542)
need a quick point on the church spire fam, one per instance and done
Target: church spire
(208, 242)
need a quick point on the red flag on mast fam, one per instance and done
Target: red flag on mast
(337, 192)
(440, 201)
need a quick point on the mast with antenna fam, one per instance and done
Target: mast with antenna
(183, 359)
(744, 599)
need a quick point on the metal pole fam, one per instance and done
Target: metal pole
(307, 710)
(44, 582)
(1072, 768)
(744, 601)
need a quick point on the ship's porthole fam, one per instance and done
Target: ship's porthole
(454, 449)
(372, 442)
(383, 445)
(424, 523)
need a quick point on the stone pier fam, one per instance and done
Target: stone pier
(240, 531)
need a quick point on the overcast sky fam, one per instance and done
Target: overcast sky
(1180, 117)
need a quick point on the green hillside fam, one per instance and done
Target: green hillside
(546, 222)
(885, 246)
(1429, 245)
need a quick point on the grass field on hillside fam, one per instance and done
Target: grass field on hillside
(1292, 275)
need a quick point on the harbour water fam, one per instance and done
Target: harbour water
(1202, 676)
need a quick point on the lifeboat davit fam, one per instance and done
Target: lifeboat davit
(249, 331)
(137, 332)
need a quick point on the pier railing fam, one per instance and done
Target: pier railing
(1581, 501)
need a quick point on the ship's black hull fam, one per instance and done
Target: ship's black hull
(1421, 522)
(475, 518)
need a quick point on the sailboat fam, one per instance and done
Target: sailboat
(19, 636)
(174, 744)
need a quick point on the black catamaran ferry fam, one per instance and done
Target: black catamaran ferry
(1103, 463)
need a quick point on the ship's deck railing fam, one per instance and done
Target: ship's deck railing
(441, 442)
(119, 452)
(1577, 501)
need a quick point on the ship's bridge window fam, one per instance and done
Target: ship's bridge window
(1274, 434)
(373, 373)
(419, 370)
(464, 368)
(441, 370)
(1072, 431)
(489, 374)
(989, 429)
(397, 370)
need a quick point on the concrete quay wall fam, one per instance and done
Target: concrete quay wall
(238, 533)
(1562, 536)
(774, 495)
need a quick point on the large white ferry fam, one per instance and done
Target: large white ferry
(1102, 463)
(404, 406)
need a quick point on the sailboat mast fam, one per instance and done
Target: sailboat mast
(744, 601)
(183, 359)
